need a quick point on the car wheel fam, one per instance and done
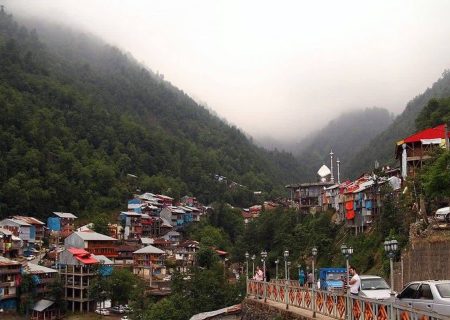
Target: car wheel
(447, 218)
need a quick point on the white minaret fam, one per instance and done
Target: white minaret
(331, 160)
(339, 170)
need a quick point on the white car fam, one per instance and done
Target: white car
(442, 214)
(30, 257)
(103, 312)
(374, 287)
(430, 296)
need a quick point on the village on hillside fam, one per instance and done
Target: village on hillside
(148, 237)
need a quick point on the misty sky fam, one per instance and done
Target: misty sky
(274, 68)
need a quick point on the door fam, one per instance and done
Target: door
(407, 296)
(424, 299)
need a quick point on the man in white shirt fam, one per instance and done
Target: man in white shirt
(355, 281)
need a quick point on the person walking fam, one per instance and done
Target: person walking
(259, 275)
(310, 280)
(355, 281)
(301, 278)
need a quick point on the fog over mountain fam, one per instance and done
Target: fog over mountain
(275, 69)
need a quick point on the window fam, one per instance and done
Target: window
(444, 290)
(425, 292)
(409, 292)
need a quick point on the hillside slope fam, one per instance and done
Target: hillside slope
(381, 148)
(345, 136)
(79, 115)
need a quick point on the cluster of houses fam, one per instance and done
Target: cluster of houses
(357, 202)
(149, 234)
(145, 238)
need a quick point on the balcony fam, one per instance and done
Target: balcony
(7, 284)
(10, 271)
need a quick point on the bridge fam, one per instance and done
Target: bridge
(330, 305)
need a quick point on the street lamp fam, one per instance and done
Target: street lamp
(276, 268)
(253, 263)
(391, 247)
(347, 252)
(314, 254)
(247, 255)
(289, 270)
(264, 256)
(286, 256)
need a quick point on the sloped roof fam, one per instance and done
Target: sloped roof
(149, 249)
(83, 256)
(102, 259)
(65, 215)
(93, 236)
(42, 304)
(130, 213)
(16, 221)
(8, 262)
(166, 223)
(430, 133)
(33, 268)
(30, 220)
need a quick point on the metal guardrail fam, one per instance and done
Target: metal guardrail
(332, 304)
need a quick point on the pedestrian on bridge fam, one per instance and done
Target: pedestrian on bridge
(355, 281)
(259, 275)
(301, 277)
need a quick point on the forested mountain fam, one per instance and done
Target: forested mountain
(78, 116)
(381, 148)
(347, 134)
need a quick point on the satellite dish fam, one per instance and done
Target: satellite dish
(324, 171)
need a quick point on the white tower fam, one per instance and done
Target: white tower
(338, 170)
(331, 160)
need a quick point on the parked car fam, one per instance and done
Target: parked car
(442, 214)
(117, 309)
(374, 287)
(124, 318)
(167, 278)
(430, 296)
(103, 312)
(30, 257)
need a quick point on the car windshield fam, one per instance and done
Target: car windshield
(444, 290)
(373, 284)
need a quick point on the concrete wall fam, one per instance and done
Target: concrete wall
(424, 259)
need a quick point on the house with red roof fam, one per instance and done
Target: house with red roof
(78, 269)
(414, 150)
(93, 242)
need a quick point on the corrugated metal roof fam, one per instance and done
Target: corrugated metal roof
(29, 220)
(102, 259)
(8, 262)
(91, 235)
(19, 222)
(36, 269)
(65, 215)
(150, 249)
(42, 304)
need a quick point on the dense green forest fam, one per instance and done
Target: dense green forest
(345, 135)
(79, 116)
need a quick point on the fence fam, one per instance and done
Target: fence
(333, 304)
